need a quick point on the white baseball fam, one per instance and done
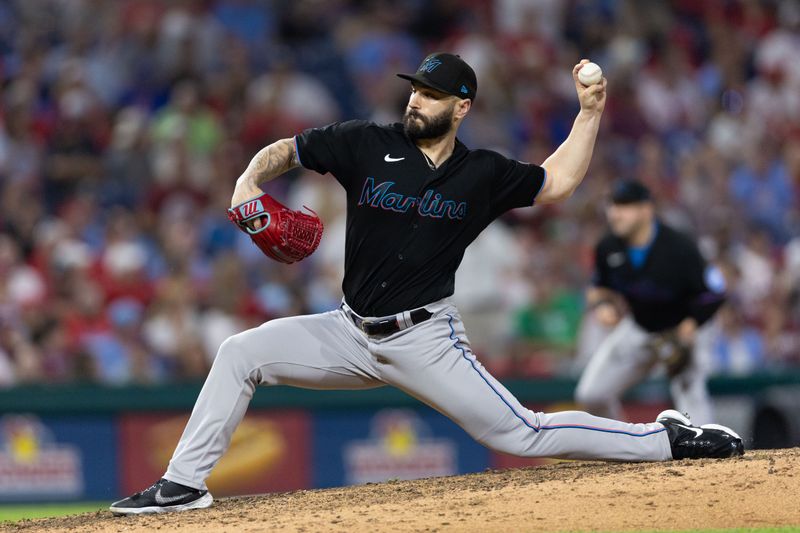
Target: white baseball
(590, 74)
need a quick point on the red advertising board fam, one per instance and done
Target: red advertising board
(634, 412)
(269, 452)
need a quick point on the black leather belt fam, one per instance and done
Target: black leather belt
(389, 325)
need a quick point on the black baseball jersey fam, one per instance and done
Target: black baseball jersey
(671, 284)
(408, 224)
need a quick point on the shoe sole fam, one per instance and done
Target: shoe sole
(200, 503)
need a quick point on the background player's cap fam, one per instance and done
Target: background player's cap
(447, 73)
(630, 192)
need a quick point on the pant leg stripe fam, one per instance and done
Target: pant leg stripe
(457, 345)
(604, 430)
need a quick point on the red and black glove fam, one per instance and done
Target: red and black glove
(284, 235)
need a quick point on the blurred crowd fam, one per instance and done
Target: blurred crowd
(124, 125)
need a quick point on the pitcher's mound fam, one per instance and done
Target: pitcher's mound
(757, 490)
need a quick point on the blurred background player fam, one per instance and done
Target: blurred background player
(653, 287)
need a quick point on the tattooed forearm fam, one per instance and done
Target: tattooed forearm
(269, 163)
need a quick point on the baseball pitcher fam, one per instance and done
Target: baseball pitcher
(416, 198)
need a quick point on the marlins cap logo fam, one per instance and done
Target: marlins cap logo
(429, 65)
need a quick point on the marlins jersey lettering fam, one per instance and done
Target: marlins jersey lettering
(408, 224)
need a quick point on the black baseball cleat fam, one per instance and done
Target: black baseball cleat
(164, 496)
(693, 442)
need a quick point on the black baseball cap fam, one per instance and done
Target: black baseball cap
(630, 192)
(447, 73)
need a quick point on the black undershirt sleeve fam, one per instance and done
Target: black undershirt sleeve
(600, 275)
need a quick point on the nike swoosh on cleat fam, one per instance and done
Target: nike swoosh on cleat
(724, 429)
(166, 500)
(697, 431)
(390, 159)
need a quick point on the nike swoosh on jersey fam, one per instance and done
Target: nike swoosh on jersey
(616, 259)
(390, 159)
(166, 500)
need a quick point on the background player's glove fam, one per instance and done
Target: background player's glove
(672, 352)
(284, 235)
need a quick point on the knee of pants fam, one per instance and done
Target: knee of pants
(515, 446)
(238, 352)
(589, 396)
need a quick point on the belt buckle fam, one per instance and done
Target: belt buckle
(361, 324)
(357, 321)
(366, 324)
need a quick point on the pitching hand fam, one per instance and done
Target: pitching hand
(592, 98)
(244, 192)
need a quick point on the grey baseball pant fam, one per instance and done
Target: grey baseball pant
(431, 361)
(623, 360)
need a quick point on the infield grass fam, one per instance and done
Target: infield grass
(14, 512)
(781, 529)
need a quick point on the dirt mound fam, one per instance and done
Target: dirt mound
(759, 489)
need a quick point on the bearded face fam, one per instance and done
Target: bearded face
(418, 126)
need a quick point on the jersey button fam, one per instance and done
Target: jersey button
(414, 225)
(384, 284)
(400, 257)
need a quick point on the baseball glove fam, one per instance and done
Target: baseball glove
(674, 354)
(284, 235)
